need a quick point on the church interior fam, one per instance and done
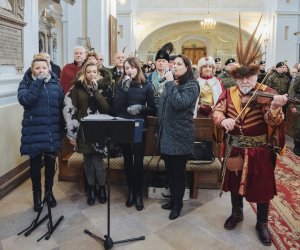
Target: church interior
(139, 28)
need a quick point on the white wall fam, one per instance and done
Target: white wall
(10, 130)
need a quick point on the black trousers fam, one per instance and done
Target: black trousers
(35, 170)
(175, 166)
(133, 154)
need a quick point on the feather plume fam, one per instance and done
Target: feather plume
(168, 48)
(250, 53)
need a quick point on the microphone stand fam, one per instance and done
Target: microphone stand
(36, 222)
(107, 241)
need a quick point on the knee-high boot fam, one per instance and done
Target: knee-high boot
(49, 160)
(178, 193)
(236, 213)
(262, 224)
(35, 175)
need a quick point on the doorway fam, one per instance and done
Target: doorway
(194, 53)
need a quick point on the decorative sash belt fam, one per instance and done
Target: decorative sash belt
(242, 141)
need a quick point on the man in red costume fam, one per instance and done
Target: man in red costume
(249, 158)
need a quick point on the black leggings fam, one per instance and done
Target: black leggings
(175, 166)
(35, 170)
(134, 164)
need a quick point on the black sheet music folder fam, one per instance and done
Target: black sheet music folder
(97, 128)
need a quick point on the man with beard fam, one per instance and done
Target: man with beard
(249, 137)
(210, 87)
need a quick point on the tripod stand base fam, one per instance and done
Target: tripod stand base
(108, 242)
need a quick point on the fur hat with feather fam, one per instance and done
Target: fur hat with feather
(247, 55)
(164, 52)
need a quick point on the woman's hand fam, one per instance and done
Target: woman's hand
(228, 124)
(293, 110)
(73, 142)
(169, 76)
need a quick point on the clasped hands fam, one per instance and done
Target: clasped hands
(92, 86)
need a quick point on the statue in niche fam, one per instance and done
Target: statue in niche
(5, 4)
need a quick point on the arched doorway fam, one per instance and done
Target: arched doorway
(219, 42)
(193, 49)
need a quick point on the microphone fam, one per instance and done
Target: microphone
(164, 78)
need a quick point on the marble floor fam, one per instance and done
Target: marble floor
(200, 225)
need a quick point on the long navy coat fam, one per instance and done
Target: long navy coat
(175, 118)
(42, 102)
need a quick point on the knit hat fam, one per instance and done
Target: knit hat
(206, 61)
(279, 64)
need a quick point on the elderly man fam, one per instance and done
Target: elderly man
(117, 70)
(70, 70)
(156, 77)
(225, 77)
(210, 87)
(249, 159)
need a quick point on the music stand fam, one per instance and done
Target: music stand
(98, 129)
(37, 221)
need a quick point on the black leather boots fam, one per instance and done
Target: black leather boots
(237, 212)
(102, 194)
(262, 224)
(130, 198)
(235, 217)
(91, 196)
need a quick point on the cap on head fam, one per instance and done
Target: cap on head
(230, 60)
(262, 62)
(280, 64)
(217, 59)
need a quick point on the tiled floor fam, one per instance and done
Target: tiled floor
(200, 225)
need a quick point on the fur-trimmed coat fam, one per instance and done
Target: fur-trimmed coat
(78, 103)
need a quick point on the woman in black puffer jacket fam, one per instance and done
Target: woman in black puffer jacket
(134, 99)
(41, 96)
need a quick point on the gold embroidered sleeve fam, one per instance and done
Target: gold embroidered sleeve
(219, 111)
(273, 117)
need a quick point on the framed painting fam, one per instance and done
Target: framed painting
(113, 31)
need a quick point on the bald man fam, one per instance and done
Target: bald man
(117, 71)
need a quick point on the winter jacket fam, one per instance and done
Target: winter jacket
(78, 103)
(175, 135)
(132, 94)
(42, 102)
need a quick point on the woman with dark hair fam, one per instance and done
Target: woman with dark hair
(134, 99)
(175, 136)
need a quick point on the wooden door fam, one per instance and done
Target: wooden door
(194, 53)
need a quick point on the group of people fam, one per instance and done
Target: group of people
(173, 94)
